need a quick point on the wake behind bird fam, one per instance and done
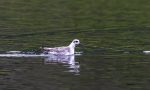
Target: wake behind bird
(29, 54)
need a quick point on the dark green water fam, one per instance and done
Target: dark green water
(98, 72)
(113, 35)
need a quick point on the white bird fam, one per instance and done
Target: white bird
(64, 50)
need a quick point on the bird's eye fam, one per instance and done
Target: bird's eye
(75, 41)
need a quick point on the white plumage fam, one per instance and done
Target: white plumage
(65, 50)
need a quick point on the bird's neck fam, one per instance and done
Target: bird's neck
(72, 48)
(72, 45)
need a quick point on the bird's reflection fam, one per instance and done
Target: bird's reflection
(69, 61)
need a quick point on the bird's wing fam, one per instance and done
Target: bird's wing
(56, 48)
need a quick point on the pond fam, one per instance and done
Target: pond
(113, 36)
(79, 72)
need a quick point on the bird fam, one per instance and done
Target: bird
(64, 50)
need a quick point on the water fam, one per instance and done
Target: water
(113, 35)
(37, 73)
(79, 72)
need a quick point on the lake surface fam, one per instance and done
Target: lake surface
(113, 36)
(84, 72)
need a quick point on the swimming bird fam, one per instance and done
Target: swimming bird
(64, 50)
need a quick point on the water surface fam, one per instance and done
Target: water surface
(113, 36)
(86, 72)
